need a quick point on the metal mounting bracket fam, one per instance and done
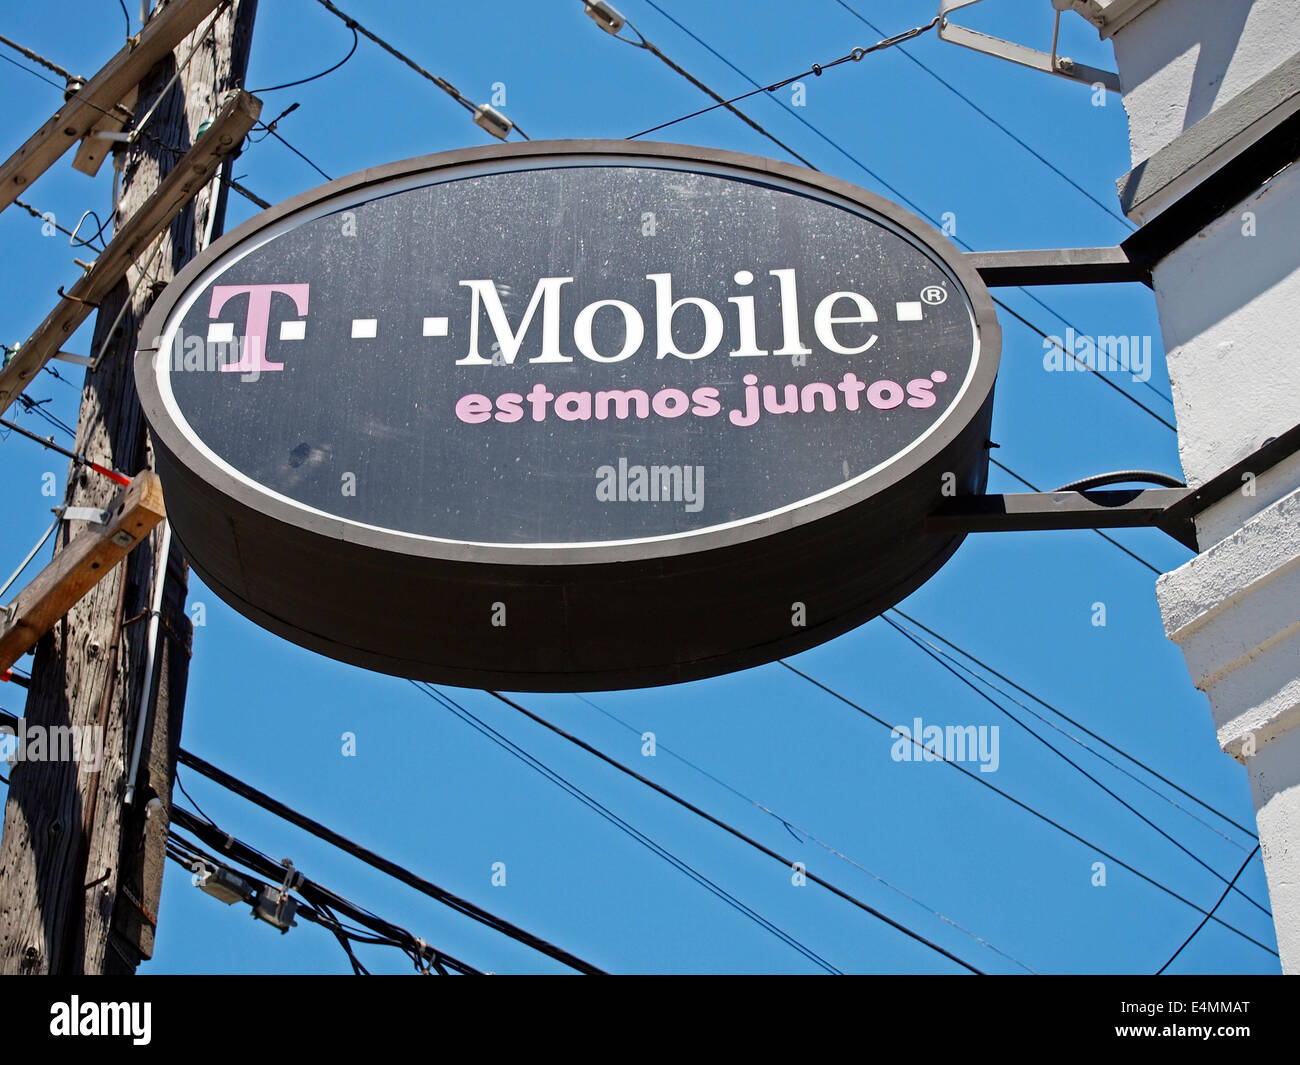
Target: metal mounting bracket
(1173, 510)
(1047, 62)
(1060, 266)
(91, 514)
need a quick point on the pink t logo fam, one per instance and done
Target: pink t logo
(258, 321)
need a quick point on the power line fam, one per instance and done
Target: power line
(47, 217)
(1027, 808)
(896, 192)
(320, 902)
(1073, 764)
(36, 74)
(50, 530)
(119, 113)
(36, 57)
(251, 197)
(1010, 133)
(8, 351)
(178, 152)
(627, 771)
(298, 153)
(441, 83)
(1160, 971)
(556, 778)
(797, 831)
(57, 376)
(650, 47)
(1082, 363)
(979, 110)
(816, 70)
(79, 459)
(384, 865)
(34, 406)
(1078, 724)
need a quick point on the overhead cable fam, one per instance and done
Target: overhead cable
(685, 804)
(1031, 810)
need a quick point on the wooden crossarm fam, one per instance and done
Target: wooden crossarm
(191, 173)
(113, 84)
(87, 558)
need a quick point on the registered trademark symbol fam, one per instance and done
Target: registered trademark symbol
(934, 294)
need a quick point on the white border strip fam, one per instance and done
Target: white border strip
(162, 359)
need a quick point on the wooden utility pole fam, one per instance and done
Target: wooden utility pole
(80, 871)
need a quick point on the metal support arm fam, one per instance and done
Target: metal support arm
(1173, 510)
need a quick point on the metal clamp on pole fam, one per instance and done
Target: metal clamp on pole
(93, 515)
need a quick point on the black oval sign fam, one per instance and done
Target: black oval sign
(569, 415)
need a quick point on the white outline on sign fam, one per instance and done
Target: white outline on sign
(343, 201)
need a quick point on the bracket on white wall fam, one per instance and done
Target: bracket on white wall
(1172, 510)
(1048, 62)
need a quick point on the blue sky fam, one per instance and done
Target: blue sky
(919, 841)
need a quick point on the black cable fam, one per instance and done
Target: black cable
(1042, 303)
(98, 235)
(816, 70)
(315, 895)
(80, 460)
(1109, 539)
(251, 197)
(1029, 809)
(1074, 765)
(979, 678)
(270, 131)
(327, 919)
(41, 217)
(802, 835)
(315, 77)
(648, 46)
(1078, 724)
(36, 406)
(268, 126)
(627, 771)
(57, 376)
(37, 74)
(384, 865)
(126, 16)
(441, 83)
(316, 901)
(252, 858)
(1082, 363)
(299, 154)
(976, 107)
(36, 57)
(629, 829)
(1097, 480)
(193, 802)
(1160, 971)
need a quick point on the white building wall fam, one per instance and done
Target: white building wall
(1180, 59)
(1229, 306)
(1230, 313)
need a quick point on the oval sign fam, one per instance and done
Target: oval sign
(571, 415)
